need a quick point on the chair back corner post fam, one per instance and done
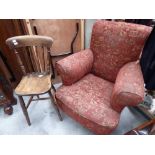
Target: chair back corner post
(51, 65)
(19, 60)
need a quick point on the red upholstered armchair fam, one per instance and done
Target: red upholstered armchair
(99, 82)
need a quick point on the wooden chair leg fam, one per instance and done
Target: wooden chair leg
(29, 102)
(53, 88)
(38, 97)
(52, 67)
(55, 105)
(24, 109)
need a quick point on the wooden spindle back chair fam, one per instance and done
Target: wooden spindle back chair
(33, 56)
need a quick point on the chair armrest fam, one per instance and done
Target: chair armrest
(129, 87)
(75, 66)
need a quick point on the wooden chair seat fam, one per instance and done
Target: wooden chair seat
(34, 83)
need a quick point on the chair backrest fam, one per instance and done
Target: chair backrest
(114, 44)
(33, 52)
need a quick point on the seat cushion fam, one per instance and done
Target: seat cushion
(34, 84)
(89, 99)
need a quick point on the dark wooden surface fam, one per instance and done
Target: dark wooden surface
(10, 28)
(6, 94)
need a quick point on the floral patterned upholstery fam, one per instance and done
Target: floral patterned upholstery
(90, 99)
(129, 87)
(115, 44)
(72, 70)
(99, 82)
